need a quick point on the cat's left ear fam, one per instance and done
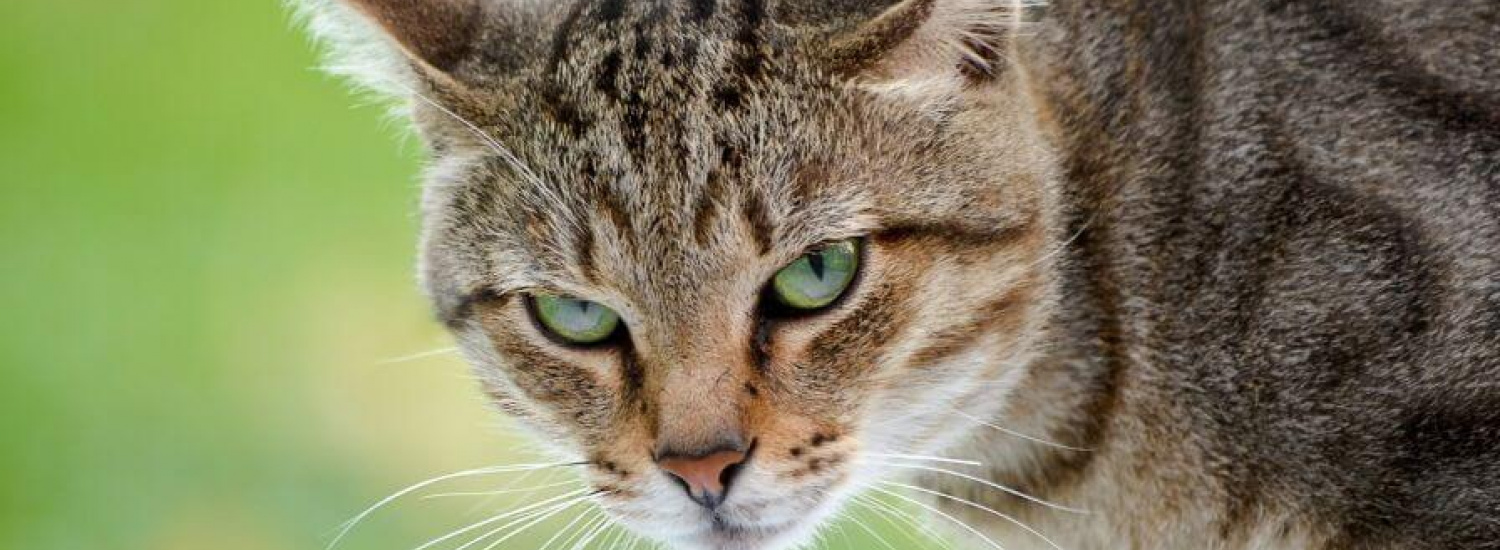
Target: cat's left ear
(393, 45)
(926, 44)
(435, 33)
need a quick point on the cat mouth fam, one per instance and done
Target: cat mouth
(724, 528)
(720, 534)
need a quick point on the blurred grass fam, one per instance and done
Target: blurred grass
(207, 258)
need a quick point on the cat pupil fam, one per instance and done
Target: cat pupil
(815, 261)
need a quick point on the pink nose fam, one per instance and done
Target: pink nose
(707, 478)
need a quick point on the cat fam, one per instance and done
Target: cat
(1096, 274)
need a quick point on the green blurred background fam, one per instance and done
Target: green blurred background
(207, 274)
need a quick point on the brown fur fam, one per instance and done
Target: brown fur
(1235, 261)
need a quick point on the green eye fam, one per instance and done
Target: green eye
(817, 278)
(575, 321)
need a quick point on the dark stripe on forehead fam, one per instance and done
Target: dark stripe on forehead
(633, 126)
(611, 10)
(607, 79)
(728, 98)
(706, 210)
(753, 16)
(554, 98)
(689, 55)
(701, 10)
(762, 232)
(564, 38)
(583, 251)
(565, 112)
(617, 213)
(644, 42)
(750, 60)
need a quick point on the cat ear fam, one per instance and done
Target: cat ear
(388, 45)
(926, 44)
(437, 33)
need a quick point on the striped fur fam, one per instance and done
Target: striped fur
(1243, 252)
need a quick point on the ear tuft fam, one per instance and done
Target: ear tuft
(855, 52)
(355, 47)
(924, 41)
(394, 46)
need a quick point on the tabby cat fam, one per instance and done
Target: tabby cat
(1218, 274)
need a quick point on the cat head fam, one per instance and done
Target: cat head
(735, 255)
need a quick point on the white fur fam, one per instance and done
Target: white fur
(356, 48)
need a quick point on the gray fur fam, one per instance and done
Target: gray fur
(1291, 263)
(1265, 296)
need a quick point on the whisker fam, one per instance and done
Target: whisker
(887, 512)
(622, 536)
(641, 542)
(525, 523)
(505, 153)
(566, 529)
(926, 458)
(1062, 247)
(586, 532)
(853, 518)
(517, 481)
(901, 419)
(984, 482)
(504, 491)
(419, 355)
(844, 533)
(602, 526)
(934, 510)
(820, 539)
(538, 518)
(991, 511)
(1014, 433)
(523, 511)
(494, 144)
(349, 525)
(612, 540)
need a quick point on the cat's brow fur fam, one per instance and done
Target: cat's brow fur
(1247, 254)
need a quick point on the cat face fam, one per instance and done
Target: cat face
(735, 269)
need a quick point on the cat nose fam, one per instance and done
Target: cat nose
(706, 477)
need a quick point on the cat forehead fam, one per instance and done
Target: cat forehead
(658, 108)
(655, 88)
(695, 37)
(660, 140)
(642, 196)
(650, 198)
(667, 90)
(621, 62)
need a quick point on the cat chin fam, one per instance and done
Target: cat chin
(782, 537)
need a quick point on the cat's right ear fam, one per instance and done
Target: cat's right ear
(928, 51)
(391, 46)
